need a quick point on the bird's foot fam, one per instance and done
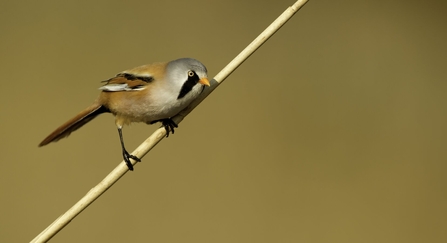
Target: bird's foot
(127, 157)
(168, 124)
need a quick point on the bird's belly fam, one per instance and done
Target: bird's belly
(150, 110)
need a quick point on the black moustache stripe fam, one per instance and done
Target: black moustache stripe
(188, 85)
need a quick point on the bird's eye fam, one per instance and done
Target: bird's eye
(191, 73)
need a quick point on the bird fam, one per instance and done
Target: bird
(149, 93)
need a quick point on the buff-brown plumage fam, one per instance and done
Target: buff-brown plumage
(148, 93)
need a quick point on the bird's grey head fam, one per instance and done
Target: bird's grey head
(187, 73)
(183, 65)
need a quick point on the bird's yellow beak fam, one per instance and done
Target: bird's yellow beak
(204, 81)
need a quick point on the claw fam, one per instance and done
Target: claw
(127, 157)
(168, 124)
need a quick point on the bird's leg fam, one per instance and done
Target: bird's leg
(126, 155)
(168, 124)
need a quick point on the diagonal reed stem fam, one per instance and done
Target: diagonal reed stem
(160, 133)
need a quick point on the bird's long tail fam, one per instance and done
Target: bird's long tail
(74, 123)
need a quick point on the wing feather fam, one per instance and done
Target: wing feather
(126, 82)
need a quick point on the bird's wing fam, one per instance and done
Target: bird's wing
(127, 82)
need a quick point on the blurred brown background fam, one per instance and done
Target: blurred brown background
(333, 131)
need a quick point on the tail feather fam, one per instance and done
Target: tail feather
(75, 123)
